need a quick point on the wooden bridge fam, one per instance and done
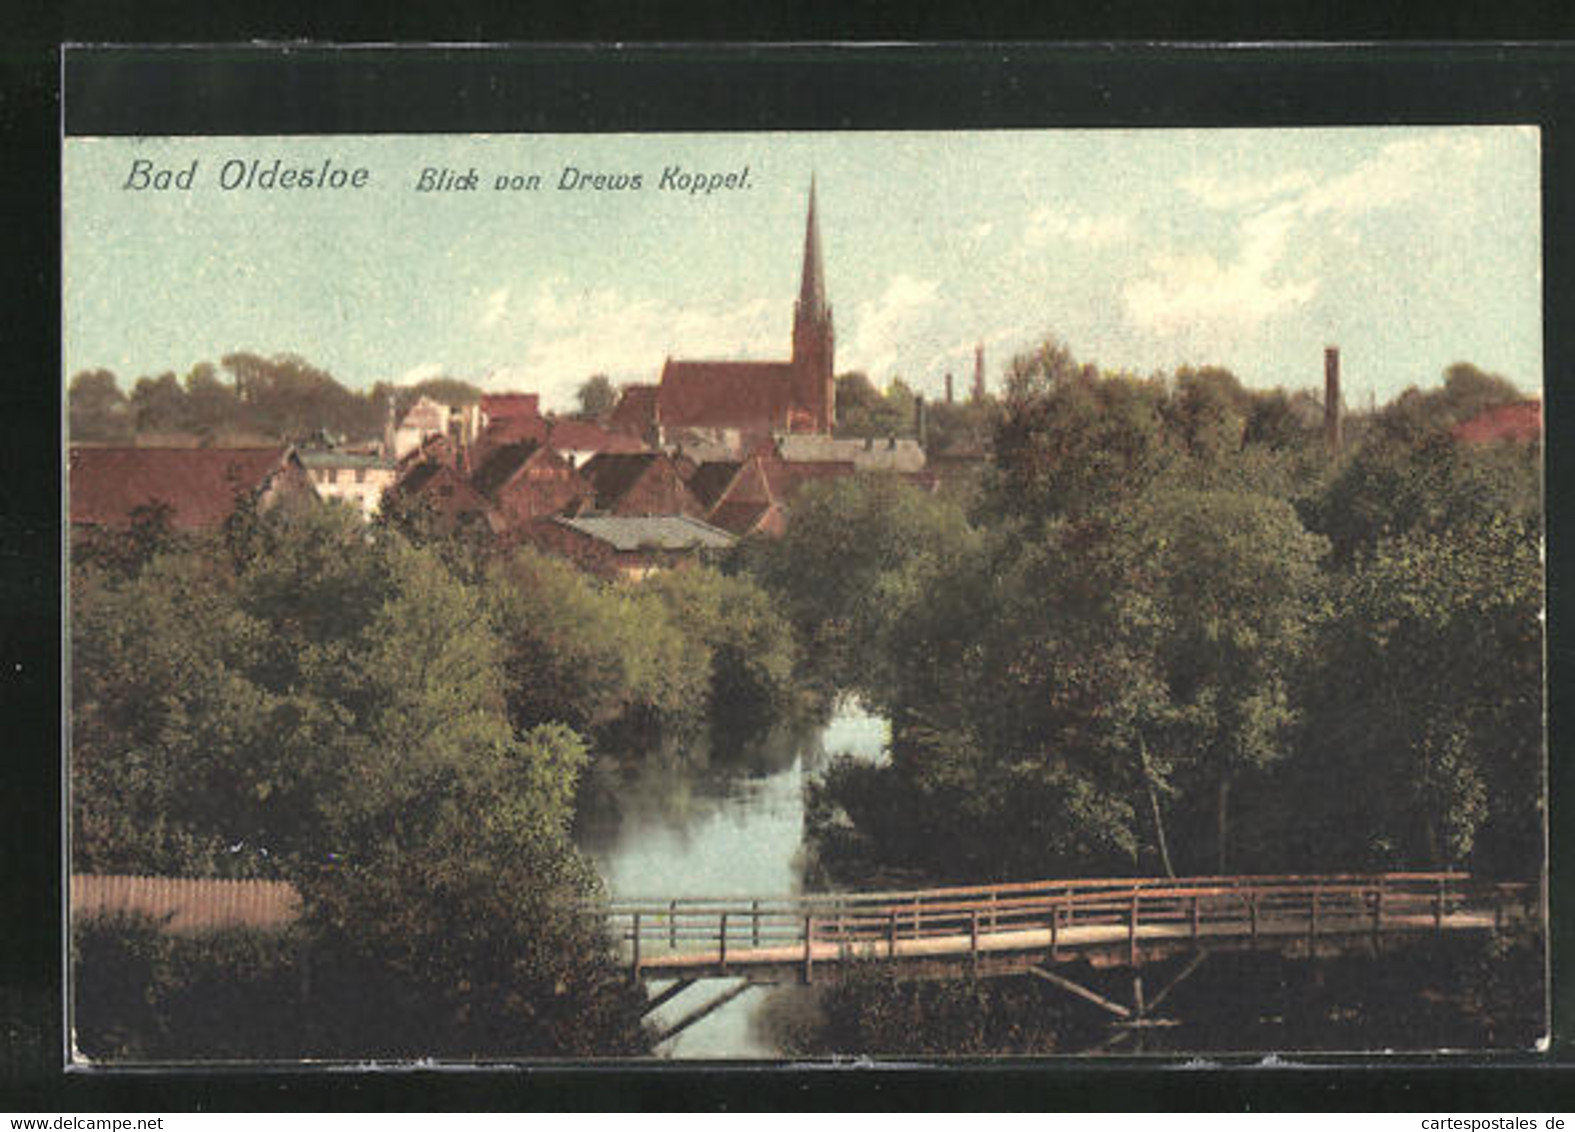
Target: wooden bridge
(1029, 928)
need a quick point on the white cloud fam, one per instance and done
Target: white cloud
(562, 337)
(1047, 225)
(1397, 174)
(497, 306)
(1198, 294)
(1216, 193)
(1210, 299)
(886, 327)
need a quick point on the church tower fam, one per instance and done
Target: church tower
(814, 387)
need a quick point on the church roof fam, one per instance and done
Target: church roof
(726, 394)
(812, 286)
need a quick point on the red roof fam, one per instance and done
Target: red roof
(201, 486)
(750, 395)
(635, 411)
(786, 477)
(566, 435)
(1520, 422)
(510, 406)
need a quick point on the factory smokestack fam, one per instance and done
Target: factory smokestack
(948, 389)
(1331, 399)
(978, 373)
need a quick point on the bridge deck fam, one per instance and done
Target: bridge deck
(1005, 929)
(1021, 948)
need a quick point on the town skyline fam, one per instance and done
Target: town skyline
(1410, 249)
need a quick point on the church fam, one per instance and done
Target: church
(739, 404)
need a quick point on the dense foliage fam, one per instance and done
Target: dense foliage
(1173, 631)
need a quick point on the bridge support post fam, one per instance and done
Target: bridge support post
(891, 936)
(973, 941)
(721, 935)
(1132, 929)
(635, 931)
(809, 955)
(1055, 933)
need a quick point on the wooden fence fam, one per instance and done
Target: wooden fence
(183, 904)
(724, 933)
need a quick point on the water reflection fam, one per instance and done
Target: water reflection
(715, 820)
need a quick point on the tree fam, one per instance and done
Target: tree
(597, 397)
(158, 405)
(608, 661)
(1221, 593)
(1072, 443)
(844, 539)
(98, 410)
(331, 711)
(1428, 690)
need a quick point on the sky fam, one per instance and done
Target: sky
(1408, 248)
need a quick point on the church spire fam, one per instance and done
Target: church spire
(812, 288)
(814, 341)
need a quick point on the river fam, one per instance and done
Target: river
(732, 826)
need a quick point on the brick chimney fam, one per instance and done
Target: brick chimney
(948, 389)
(1331, 399)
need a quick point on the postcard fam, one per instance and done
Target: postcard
(765, 596)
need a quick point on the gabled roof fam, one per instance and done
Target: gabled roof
(635, 411)
(741, 517)
(501, 465)
(1521, 421)
(711, 479)
(510, 406)
(650, 532)
(612, 474)
(201, 486)
(726, 394)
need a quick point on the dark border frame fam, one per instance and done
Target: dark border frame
(569, 88)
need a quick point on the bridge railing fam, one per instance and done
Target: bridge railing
(783, 928)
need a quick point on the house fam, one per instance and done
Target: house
(630, 547)
(427, 419)
(198, 488)
(638, 483)
(738, 498)
(357, 478)
(788, 477)
(454, 503)
(866, 454)
(635, 414)
(1517, 423)
(527, 480)
(578, 441)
